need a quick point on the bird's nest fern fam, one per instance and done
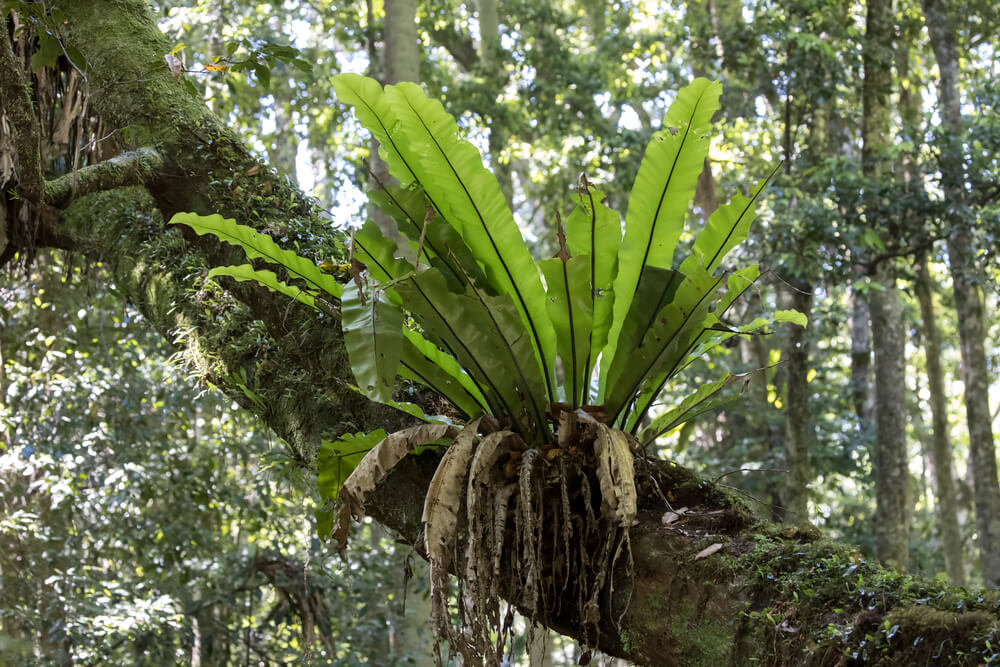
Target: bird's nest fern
(553, 364)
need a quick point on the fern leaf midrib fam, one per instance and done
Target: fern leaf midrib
(447, 324)
(732, 229)
(666, 186)
(639, 377)
(496, 250)
(574, 401)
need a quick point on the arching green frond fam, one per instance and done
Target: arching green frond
(260, 246)
(570, 305)
(372, 109)
(660, 196)
(704, 399)
(245, 272)
(451, 172)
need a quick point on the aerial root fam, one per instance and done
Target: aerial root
(545, 530)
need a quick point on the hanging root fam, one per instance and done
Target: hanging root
(545, 530)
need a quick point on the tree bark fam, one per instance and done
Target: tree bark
(966, 277)
(766, 594)
(798, 424)
(891, 477)
(861, 364)
(400, 62)
(944, 480)
(402, 50)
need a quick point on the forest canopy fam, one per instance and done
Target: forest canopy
(169, 429)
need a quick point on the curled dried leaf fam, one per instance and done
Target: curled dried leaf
(175, 65)
(374, 468)
(444, 497)
(616, 473)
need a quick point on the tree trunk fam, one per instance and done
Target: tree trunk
(400, 62)
(944, 481)
(402, 50)
(892, 505)
(966, 277)
(798, 425)
(891, 478)
(861, 364)
(766, 594)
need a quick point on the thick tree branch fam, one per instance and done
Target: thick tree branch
(15, 101)
(766, 594)
(130, 168)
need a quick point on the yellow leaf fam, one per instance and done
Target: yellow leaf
(216, 68)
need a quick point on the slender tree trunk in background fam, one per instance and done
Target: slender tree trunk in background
(891, 477)
(489, 32)
(798, 425)
(940, 456)
(892, 505)
(966, 277)
(862, 381)
(400, 62)
(944, 481)
(402, 50)
(491, 68)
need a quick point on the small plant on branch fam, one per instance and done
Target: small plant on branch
(554, 364)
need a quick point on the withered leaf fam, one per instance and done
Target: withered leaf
(175, 65)
(708, 551)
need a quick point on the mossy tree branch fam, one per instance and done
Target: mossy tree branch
(766, 594)
(130, 168)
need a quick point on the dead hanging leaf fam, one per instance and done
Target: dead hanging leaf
(374, 467)
(708, 551)
(175, 65)
(480, 490)
(254, 170)
(445, 493)
(444, 497)
(616, 474)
